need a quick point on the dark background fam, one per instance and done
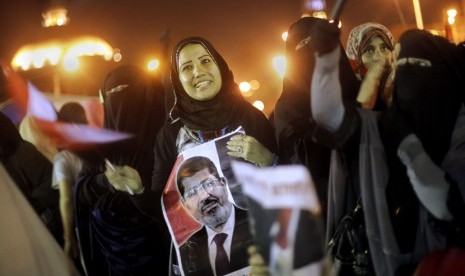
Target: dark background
(246, 32)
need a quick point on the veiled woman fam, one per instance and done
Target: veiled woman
(116, 237)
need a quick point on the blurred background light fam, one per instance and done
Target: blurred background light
(52, 52)
(71, 63)
(259, 105)
(55, 17)
(153, 65)
(451, 14)
(279, 65)
(244, 86)
(284, 36)
(254, 84)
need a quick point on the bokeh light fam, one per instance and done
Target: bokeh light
(71, 63)
(254, 84)
(451, 14)
(244, 87)
(279, 65)
(259, 105)
(284, 35)
(117, 56)
(315, 5)
(153, 65)
(54, 52)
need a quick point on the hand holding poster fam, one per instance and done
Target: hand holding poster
(284, 213)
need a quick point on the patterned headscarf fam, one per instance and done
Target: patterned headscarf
(358, 39)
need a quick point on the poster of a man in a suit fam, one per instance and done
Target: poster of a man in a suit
(201, 200)
(204, 193)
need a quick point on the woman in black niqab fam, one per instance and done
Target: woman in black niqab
(429, 89)
(126, 241)
(294, 126)
(429, 95)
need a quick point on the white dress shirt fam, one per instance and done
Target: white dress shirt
(228, 229)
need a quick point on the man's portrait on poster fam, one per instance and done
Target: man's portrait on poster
(220, 246)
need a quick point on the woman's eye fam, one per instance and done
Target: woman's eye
(185, 68)
(207, 60)
(369, 51)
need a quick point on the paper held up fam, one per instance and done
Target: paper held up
(279, 187)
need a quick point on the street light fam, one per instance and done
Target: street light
(451, 14)
(55, 17)
(418, 18)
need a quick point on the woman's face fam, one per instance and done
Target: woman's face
(376, 51)
(198, 72)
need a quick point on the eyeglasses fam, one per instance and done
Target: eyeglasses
(207, 186)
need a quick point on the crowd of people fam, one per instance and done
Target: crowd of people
(378, 124)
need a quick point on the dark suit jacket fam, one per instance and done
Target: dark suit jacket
(194, 252)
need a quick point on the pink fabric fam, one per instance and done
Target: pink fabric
(94, 112)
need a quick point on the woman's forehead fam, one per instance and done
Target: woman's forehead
(191, 50)
(376, 40)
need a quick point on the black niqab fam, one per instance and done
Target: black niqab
(429, 97)
(9, 136)
(133, 103)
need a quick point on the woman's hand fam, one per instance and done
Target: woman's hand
(370, 87)
(249, 149)
(124, 179)
(386, 94)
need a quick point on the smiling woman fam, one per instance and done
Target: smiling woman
(208, 104)
(198, 72)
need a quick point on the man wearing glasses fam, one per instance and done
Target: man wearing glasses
(220, 247)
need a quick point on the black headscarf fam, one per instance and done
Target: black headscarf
(293, 117)
(129, 240)
(429, 97)
(212, 114)
(9, 136)
(133, 103)
(293, 108)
